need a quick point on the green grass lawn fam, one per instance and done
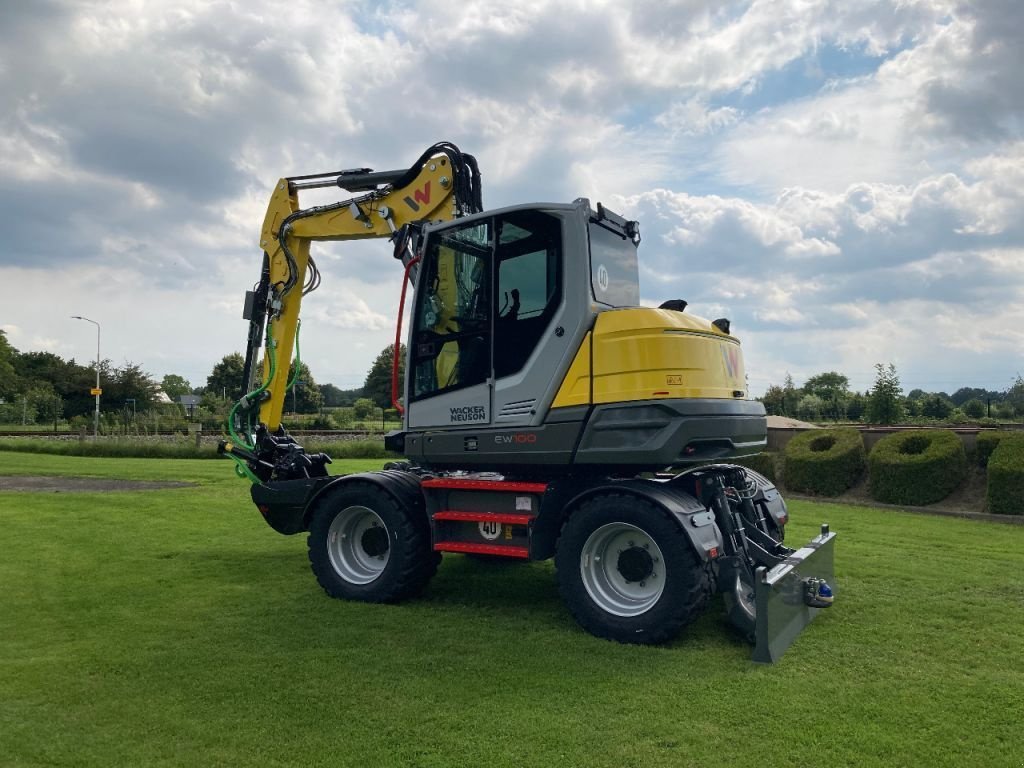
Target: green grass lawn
(175, 628)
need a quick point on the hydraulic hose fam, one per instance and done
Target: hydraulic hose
(242, 470)
(298, 358)
(272, 357)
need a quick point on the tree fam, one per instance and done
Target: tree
(44, 402)
(378, 381)
(856, 406)
(1015, 396)
(363, 408)
(335, 397)
(790, 396)
(810, 407)
(827, 385)
(912, 406)
(774, 400)
(129, 383)
(1002, 411)
(884, 406)
(974, 408)
(962, 395)
(833, 389)
(305, 396)
(226, 378)
(8, 378)
(936, 407)
(174, 386)
(46, 367)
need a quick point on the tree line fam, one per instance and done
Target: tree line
(43, 388)
(827, 396)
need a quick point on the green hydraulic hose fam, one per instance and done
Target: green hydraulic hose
(271, 345)
(242, 470)
(298, 358)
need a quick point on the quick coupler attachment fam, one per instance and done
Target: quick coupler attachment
(789, 596)
(817, 593)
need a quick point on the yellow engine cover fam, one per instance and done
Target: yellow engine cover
(651, 354)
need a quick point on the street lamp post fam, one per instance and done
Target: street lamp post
(96, 421)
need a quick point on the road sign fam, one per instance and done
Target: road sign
(95, 391)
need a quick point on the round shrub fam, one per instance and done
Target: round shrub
(1006, 477)
(916, 467)
(824, 461)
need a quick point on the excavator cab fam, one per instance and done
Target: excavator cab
(527, 348)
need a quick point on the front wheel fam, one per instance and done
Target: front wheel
(627, 571)
(364, 545)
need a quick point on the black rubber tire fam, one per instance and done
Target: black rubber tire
(411, 562)
(687, 583)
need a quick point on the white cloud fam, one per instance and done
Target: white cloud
(139, 142)
(694, 118)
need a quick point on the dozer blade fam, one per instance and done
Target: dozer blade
(791, 594)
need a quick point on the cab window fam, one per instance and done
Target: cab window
(528, 288)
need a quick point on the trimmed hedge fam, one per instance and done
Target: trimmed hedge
(1005, 491)
(763, 463)
(824, 461)
(916, 467)
(988, 441)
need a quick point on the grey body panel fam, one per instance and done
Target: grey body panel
(641, 435)
(662, 433)
(468, 406)
(495, 447)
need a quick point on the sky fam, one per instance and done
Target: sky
(842, 179)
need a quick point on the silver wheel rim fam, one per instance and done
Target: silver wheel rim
(601, 561)
(354, 544)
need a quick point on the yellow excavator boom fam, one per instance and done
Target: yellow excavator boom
(288, 231)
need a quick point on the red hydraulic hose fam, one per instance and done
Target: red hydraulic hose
(398, 336)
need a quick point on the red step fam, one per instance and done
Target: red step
(481, 549)
(484, 517)
(464, 484)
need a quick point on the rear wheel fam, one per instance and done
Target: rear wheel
(364, 545)
(627, 571)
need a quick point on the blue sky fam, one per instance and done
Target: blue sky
(844, 180)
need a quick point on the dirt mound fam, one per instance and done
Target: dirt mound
(775, 422)
(57, 484)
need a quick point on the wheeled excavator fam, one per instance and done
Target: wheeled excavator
(545, 414)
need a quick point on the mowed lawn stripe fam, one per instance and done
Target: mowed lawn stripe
(174, 627)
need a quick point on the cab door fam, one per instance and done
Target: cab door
(528, 296)
(450, 383)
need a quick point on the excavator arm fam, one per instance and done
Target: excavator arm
(442, 185)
